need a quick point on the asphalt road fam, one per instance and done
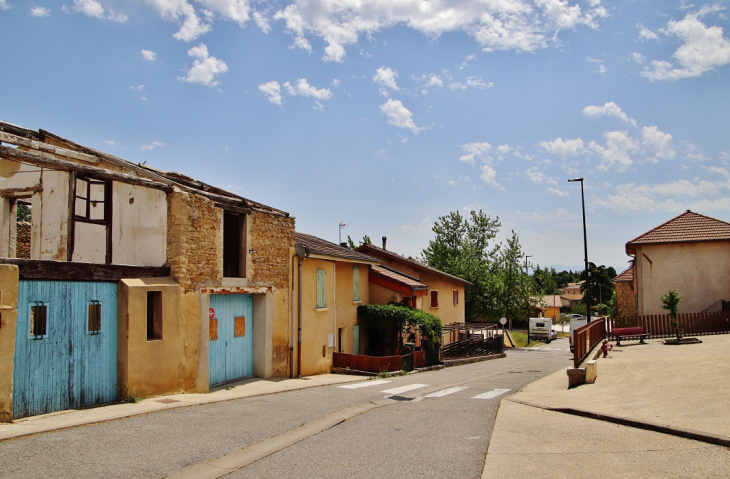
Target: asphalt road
(438, 425)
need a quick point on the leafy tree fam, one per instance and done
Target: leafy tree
(670, 302)
(515, 285)
(365, 240)
(23, 212)
(564, 277)
(601, 283)
(612, 310)
(563, 320)
(544, 279)
(464, 247)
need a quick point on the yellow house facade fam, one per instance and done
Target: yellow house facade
(331, 282)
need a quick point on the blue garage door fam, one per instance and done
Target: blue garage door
(65, 346)
(231, 337)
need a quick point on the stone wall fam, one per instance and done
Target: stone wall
(625, 299)
(272, 237)
(194, 240)
(23, 241)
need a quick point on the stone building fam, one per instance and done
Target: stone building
(135, 281)
(625, 293)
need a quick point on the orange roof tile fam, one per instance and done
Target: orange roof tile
(627, 276)
(686, 228)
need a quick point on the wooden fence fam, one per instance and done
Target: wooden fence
(376, 364)
(693, 324)
(586, 338)
(473, 346)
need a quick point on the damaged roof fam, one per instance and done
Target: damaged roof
(171, 179)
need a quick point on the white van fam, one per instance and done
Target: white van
(576, 321)
(541, 329)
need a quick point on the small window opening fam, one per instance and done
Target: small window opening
(38, 320)
(434, 299)
(154, 315)
(234, 246)
(95, 317)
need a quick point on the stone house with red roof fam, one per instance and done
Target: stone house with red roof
(625, 293)
(692, 252)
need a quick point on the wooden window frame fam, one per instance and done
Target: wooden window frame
(38, 327)
(434, 294)
(94, 323)
(106, 220)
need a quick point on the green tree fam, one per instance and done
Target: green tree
(601, 283)
(670, 302)
(515, 285)
(365, 240)
(23, 212)
(464, 247)
(545, 281)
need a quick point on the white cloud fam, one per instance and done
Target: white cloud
(137, 88)
(40, 12)
(303, 88)
(386, 77)
(148, 55)
(262, 22)
(152, 146)
(4, 5)
(398, 115)
(425, 226)
(489, 175)
(111, 143)
(475, 150)
(91, 8)
(563, 147)
(616, 153)
(117, 17)
(646, 34)
(495, 25)
(609, 109)
(658, 143)
(557, 192)
(205, 67)
(477, 82)
(182, 13)
(237, 10)
(638, 57)
(536, 176)
(273, 91)
(703, 49)
(302, 43)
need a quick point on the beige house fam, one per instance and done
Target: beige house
(572, 293)
(422, 286)
(549, 306)
(136, 281)
(690, 252)
(331, 282)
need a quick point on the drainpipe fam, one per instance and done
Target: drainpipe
(334, 306)
(303, 253)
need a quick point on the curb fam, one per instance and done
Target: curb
(624, 421)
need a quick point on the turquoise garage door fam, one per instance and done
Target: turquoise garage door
(231, 337)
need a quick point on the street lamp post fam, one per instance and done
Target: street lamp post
(587, 296)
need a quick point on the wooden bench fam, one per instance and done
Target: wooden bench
(633, 332)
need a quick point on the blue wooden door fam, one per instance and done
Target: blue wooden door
(231, 347)
(65, 346)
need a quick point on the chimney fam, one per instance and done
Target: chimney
(384, 240)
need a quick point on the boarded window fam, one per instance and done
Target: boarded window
(321, 291)
(38, 320)
(434, 299)
(240, 326)
(456, 297)
(154, 315)
(95, 317)
(356, 283)
(213, 329)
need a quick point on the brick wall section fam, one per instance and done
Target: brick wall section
(23, 242)
(194, 240)
(625, 299)
(271, 236)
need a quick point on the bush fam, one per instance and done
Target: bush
(380, 319)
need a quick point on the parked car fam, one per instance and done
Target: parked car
(553, 335)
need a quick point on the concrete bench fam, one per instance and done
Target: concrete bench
(633, 332)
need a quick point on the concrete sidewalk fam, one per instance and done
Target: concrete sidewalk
(81, 417)
(682, 391)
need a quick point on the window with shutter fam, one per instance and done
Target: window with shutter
(321, 283)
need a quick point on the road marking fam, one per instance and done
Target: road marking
(491, 394)
(403, 389)
(445, 392)
(365, 384)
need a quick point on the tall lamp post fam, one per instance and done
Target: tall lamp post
(587, 296)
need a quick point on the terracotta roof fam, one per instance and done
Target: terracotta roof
(627, 276)
(375, 250)
(398, 277)
(689, 227)
(549, 301)
(325, 248)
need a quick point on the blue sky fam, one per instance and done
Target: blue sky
(386, 114)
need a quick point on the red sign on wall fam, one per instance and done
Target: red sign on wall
(211, 313)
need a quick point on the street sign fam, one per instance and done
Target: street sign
(211, 313)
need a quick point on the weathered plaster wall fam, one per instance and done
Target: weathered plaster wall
(8, 321)
(159, 366)
(317, 323)
(699, 271)
(49, 229)
(139, 232)
(446, 310)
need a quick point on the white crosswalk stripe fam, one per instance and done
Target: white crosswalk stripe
(403, 389)
(376, 382)
(491, 394)
(445, 392)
